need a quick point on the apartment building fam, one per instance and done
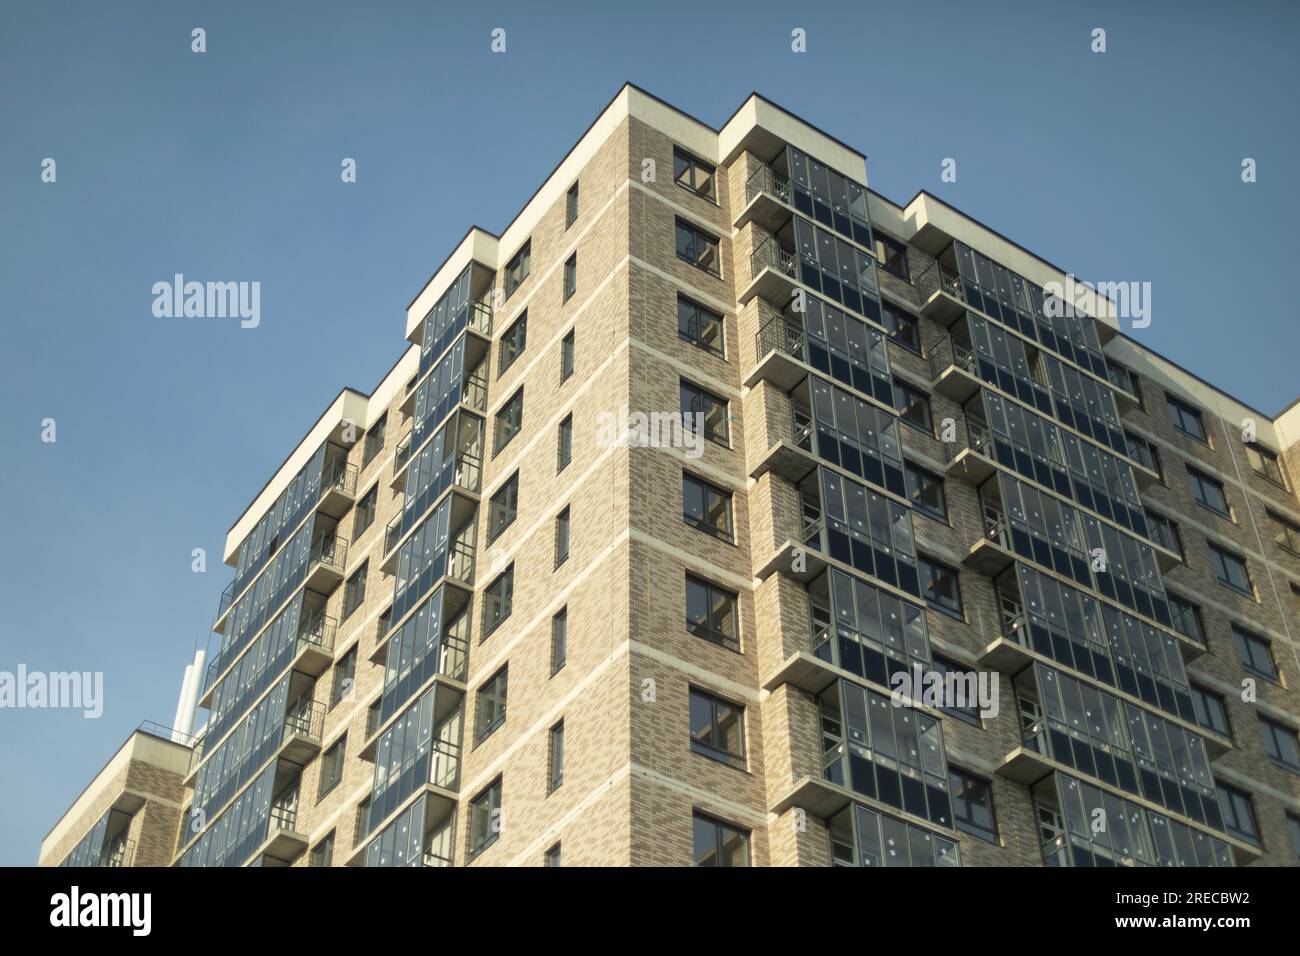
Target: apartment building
(673, 477)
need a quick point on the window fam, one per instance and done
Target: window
(711, 613)
(1186, 419)
(1163, 531)
(1293, 828)
(1231, 570)
(1280, 744)
(1211, 712)
(559, 640)
(354, 592)
(903, 327)
(564, 453)
(322, 854)
(562, 537)
(568, 346)
(972, 804)
(913, 406)
(1186, 618)
(385, 621)
(891, 253)
(1208, 492)
(485, 818)
(517, 268)
(1264, 462)
(571, 206)
(374, 440)
(512, 344)
(490, 705)
(365, 514)
(1238, 814)
(699, 326)
(717, 728)
(706, 506)
(719, 844)
(702, 407)
(698, 248)
(503, 507)
(509, 420)
(694, 174)
(555, 757)
(345, 672)
(552, 857)
(498, 599)
(970, 713)
(331, 767)
(570, 276)
(939, 586)
(361, 825)
(925, 491)
(1287, 535)
(1254, 652)
(1144, 453)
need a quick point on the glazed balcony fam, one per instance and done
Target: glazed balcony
(463, 476)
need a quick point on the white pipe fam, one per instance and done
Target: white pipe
(180, 703)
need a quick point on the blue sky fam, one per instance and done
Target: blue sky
(225, 166)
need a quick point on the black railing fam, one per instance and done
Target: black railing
(973, 434)
(403, 453)
(767, 180)
(955, 352)
(770, 254)
(939, 278)
(779, 334)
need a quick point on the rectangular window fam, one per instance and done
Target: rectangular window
(972, 804)
(1231, 570)
(361, 825)
(354, 592)
(719, 844)
(498, 600)
(1238, 813)
(1265, 463)
(570, 276)
(509, 420)
(892, 254)
(698, 248)
(331, 767)
(568, 346)
(1186, 419)
(1255, 653)
(706, 506)
(702, 407)
(513, 341)
(1208, 492)
(1286, 535)
(1281, 745)
(559, 640)
(925, 491)
(517, 268)
(717, 728)
(365, 513)
(913, 406)
(503, 507)
(345, 674)
(374, 440)
(694, 174)
(552, 857)
(322, 854)
(485, 818)
(1211, 712)
(564, 451)
(555, 758)
(903, 327)
(562, 537)
(1186, 618)
(939, 586)
(490, 705)
(699, 326)
(711, 613)
(571, 206)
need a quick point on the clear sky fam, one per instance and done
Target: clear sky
(225, 166)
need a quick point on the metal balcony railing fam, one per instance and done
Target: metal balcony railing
(121, 853)
(480, 317)
(997, 527)
(1121, 378)
(811, 534)
(973, 434)
(953, 351)
(317, 631)
(939, 278)
(801, 424)
(1140, 452)
(434, 858)
(444, 767)
(328, 550)
(403, 453)
(475, 394)
(1162, 534)
(284, 815)
(771, 254)
(460, 561)
(767, 180)
(779, 334)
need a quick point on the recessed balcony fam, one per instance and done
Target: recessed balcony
(325, 562)
(768, 200)
(941, 294)
(818, 796)
(791, 456)
(1125, 390)
(954, 370)
(992, 554)
(338, 489)
(773, 270)
(401, 457)
(972, 457)
(781, 353)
